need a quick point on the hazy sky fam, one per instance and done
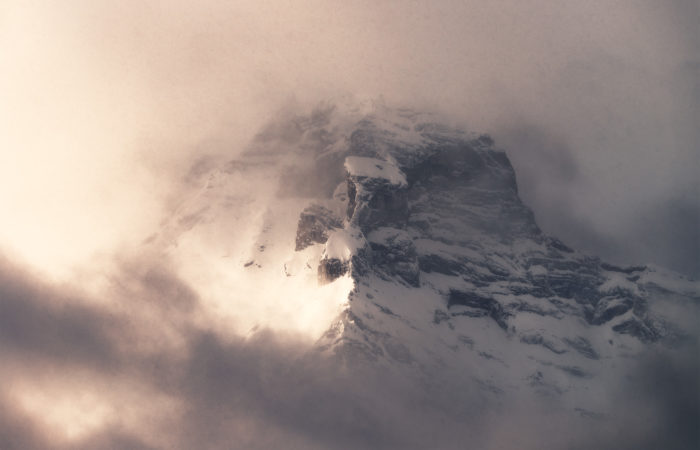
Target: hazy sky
(104, 106)
(597, 103)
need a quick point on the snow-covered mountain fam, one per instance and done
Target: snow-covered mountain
(401, 244)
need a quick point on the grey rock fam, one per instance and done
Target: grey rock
(459, 215)
(583, 346)
(331, 268)
(490, 306)
(315, 222)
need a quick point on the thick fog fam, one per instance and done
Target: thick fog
(142, 373)
(596, 103)
(110, 110)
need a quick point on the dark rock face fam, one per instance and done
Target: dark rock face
(645, 332)
(331, 268)
(437, 264)
(583, 346)
(375, 202)
(627, 270)
(315, 222)
(608, 308)
(444, 203)
(488, 305)
(539, 339)
(394, 255)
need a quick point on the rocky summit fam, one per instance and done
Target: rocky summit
(450, 273)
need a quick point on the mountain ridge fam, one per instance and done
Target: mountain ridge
(433, 263)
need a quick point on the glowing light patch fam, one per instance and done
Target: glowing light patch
(73, 410)
(72, 414)
(247, 273)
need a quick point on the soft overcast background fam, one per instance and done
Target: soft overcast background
(597, 103)
(105, 106)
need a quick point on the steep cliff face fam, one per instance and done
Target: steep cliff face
(451, 270)
(429, 202)
(446, 268)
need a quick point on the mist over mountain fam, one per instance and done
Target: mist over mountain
(104, 105)
(359, 276)
(340, 225)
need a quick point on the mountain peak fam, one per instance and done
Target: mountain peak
(411, 238)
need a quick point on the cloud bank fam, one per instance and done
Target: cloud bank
(83, 373)
(104, 103)
(108, 108)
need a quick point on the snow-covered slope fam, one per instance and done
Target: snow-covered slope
(430, 262)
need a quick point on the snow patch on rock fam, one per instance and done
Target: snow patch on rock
(359, 166)
(342, 244)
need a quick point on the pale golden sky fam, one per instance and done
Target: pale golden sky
(104, 105)
(102, 101)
